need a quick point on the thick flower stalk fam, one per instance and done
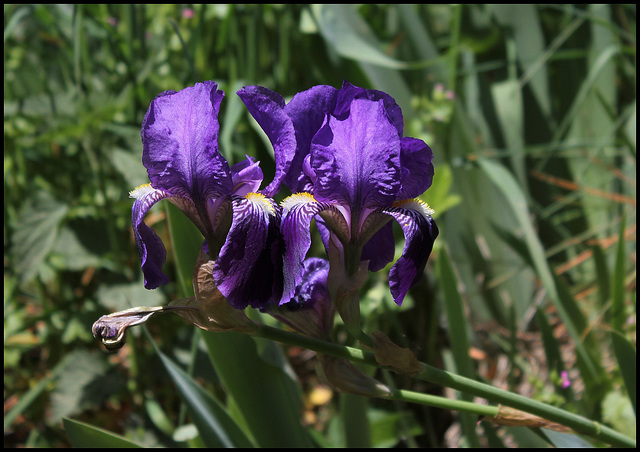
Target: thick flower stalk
(343, 155)
(240, 226)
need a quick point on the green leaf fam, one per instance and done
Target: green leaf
(618, 412)
(387, 427)
(565, 440)
(346, 32)
(350, 36)
(186, 241)
(85, 435)
(439, 195)
(626, 355)
(83, 382)
(355, 423)
(35, 233)
(617, 284)
(262, 388)
(216, 427)
(561, 297)
(552, 350)
(458, 336)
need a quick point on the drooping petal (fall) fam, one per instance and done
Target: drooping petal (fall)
(247, 271)
(298, 212)
(420, 231)
(150, 247)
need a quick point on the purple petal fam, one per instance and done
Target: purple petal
(349, 92)
(267, 108)
(246, 176)
(420, 231)
(307, 110)
(248, 269)
(298, 212)
(380, 248)
(314, 285)
(416, 160)
(150, 247)
(311, 311)
(357, 160)
(180, 144)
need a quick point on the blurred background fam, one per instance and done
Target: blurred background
(531, 114)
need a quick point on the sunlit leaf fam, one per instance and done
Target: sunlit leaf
(216, 427)
(626, 356)
(85, 435)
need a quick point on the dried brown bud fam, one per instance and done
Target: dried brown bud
(511, 416)
(400, 360)
(344, 376)
(210, 309)
(112, 328)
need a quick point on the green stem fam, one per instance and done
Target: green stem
(443, 402)
(434, 375)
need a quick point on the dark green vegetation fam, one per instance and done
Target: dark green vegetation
(531, 114)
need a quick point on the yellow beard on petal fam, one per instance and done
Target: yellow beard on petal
(415, 204)
(140, 190)
(297, 198)
(262, 201)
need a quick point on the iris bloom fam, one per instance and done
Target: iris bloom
(343, 155)
(240, 226)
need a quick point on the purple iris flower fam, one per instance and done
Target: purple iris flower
(342, 154)
(240, 226)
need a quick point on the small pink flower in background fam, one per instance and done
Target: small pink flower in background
(112, 21)
(564, 375)
(188, 13)
(450, 95)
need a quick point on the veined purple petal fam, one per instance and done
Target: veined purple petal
(246, 177)
(416, 161)
(420, 231)
(150, 247)
(248, 269)
(180, 144)
(298, 212)
(357, 160)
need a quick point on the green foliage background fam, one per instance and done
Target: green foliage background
(530, 112)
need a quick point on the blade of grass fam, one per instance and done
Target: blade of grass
(264, 392)
(216, 427)
(567, 309)
(458, 336)
(186, 241)
(626, 355)
(85, 435)
(617, 312)
(355, 425)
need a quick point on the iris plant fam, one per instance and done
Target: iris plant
(240, 226)
(343, 155)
